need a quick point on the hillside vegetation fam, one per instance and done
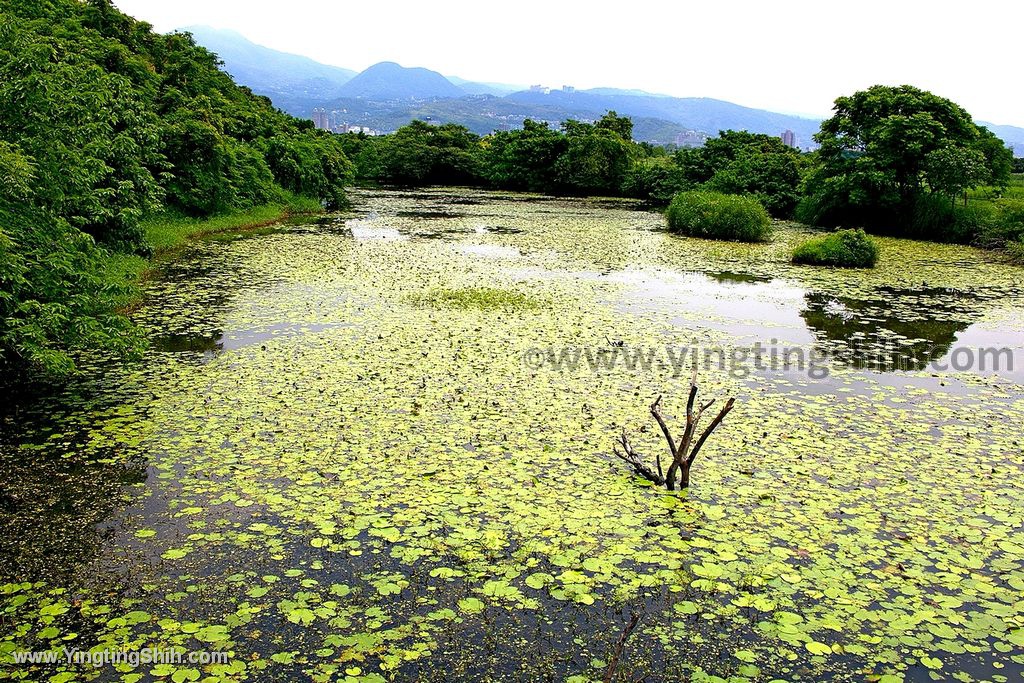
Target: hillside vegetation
(104, 122)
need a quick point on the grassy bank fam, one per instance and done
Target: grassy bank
(168, 232)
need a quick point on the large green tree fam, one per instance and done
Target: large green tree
(597, 156)
(426, 154)
(524, 159)
(886, 146)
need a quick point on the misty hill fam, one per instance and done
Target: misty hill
(291, 81)
(1011, 135)
(390, 81)
(697, 113)
(477, 88)
(386, 96)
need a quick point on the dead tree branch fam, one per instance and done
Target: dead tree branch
(613, 663)
(636, 461)
(681, 454)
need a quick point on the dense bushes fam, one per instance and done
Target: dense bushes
(655, 178)
(53, 296)
(841, 249)
(738, 162)
(103, 122)
(1005, 226)
(719, 216)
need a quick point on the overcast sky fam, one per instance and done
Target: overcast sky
(792, 56)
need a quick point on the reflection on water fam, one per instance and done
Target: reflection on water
(849, 332)
(236, 339)
(859, 334)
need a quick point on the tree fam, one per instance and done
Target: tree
(952, 171)
(738, 162)
(620, 125)
(524, 159)
(875, 150)
(596, 157)
(424, 154)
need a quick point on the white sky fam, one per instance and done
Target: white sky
(791, 56)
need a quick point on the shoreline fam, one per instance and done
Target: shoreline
(169, 234)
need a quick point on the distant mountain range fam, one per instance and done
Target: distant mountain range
(291, 81)
(386, 96)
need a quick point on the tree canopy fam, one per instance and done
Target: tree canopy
(885, 147)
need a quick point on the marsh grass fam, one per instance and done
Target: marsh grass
(481, 298)
(169, 230)
(713, 215)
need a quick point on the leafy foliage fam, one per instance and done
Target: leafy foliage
(524, 159)
(737, 162)
(699, 213)
(52, 293)
(423, 154)
(597, 156)
(582, 159)
(841, 249)
(103, 122)
(658, 178)
(885, 147)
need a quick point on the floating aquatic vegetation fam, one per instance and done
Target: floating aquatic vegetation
(484, 298)
(377, 489)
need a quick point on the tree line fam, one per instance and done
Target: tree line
(899, 160)
(580, 159)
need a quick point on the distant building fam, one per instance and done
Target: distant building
(538, 88)
(568, 88)
(691, 138)
(789, 138)
(321, 119)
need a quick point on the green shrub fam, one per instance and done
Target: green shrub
(1004, 226)
(54, 302)
(657, 179)
(1016, 250)
(936, 218)
(719, 216)
(841, 249)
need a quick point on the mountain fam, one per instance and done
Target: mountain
(1011, 135)
(697, 113)
(386, 96)
(390, 81)
(478, 88)
(293, 82)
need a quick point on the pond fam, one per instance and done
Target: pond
(377, 446)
